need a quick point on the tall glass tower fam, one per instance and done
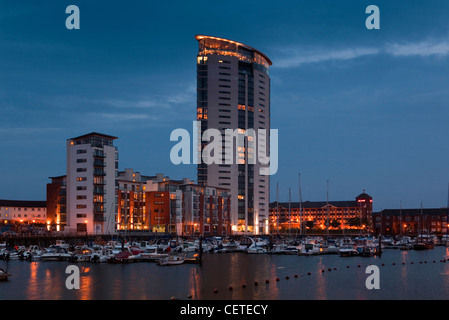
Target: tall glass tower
(233, 92)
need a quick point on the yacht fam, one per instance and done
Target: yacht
(348, 250)
(152, 254)
(56, 253)
(4, 275)
(173, 259)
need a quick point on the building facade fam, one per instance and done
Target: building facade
(160, 204)
(233, 92)
(337, 215)
(23, 211)
(57, 203)
(411, 222)
(92, 169)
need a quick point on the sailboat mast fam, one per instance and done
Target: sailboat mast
(277, 207)
(400, 214)
(327, 205)
(289, 211)
(301, 220)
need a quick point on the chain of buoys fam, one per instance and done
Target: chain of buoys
(322, 270)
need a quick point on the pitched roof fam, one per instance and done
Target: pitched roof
(315, 204)
(413, 212)
(23, 204)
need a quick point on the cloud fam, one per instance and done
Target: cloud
(424, 49)
(295, 57)
(299, 58)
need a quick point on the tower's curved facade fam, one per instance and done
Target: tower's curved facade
(233, 92)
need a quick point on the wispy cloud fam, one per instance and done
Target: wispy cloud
(299, 58)
(424, 49)
(296, 57)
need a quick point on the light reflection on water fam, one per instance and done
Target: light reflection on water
(344, 278)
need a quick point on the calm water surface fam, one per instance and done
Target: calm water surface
(403, 275)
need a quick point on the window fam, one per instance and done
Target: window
(81, 178)
(81, 206)
(81, 169)
(81, 188)
(81, 197)
(81, 151)
(81, 160)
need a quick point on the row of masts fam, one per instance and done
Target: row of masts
(301, 218)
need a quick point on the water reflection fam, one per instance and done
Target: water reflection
(400, 279)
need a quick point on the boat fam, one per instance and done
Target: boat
(172, 259)
(152, 254)
(56, 253)
(348, 250)
(311, 248)
(4, 275)
(423, 242)
(256, 249)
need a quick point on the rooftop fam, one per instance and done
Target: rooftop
(23, 204)
(95, 134)
(238, 44)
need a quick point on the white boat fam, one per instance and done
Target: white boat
(173, 259)
(348, 250)
(256, 249)
(4, 275)
(152, 254)
(62, 244)
(56, 253)
(311, 249)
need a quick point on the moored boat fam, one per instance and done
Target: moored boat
(172, 259)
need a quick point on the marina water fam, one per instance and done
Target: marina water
(404, 274)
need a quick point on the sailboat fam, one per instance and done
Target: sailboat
(423, 242)
(4, 275)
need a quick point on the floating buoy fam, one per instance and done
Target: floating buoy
(215, 290)
(329, 269)
(335, 268)
(322, 271)
(277, 279)
(309, 273)
(256, 283)
(394, 263)
(172, 298)
(189, 296)
(267, 281)
(347, 267)
(411, 262)
(243, 285)
(358, 266)
(230, 288)
(383, 264)
(296, 276)
(287, 277)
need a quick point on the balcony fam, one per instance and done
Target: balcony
(98, 217)
(99, 172)
(99, 154)
(99, 163)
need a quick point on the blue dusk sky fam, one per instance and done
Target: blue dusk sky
(364, 109)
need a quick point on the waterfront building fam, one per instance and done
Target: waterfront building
(57, 203)
(411, 222)
(23, 212)
(160, 204)
(233, 92)
(92, 169)
(321, 215)
(206, 210)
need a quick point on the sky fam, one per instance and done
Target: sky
(356, 109)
